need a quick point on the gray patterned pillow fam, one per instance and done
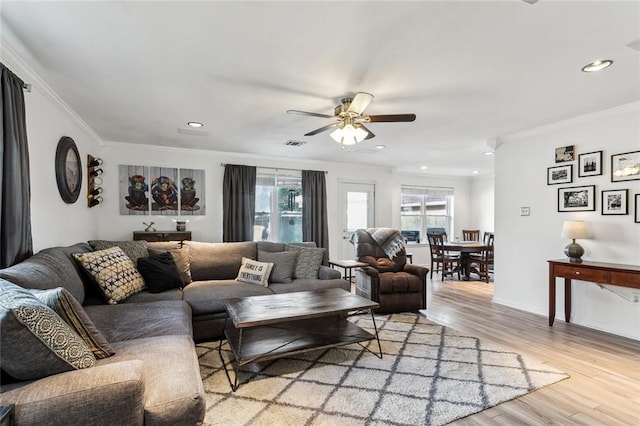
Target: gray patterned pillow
(283, 264)
(134, 249)
(35, 341)
(309, 261)
(70, 310)
(114, 272)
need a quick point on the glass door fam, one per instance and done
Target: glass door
(357, 204)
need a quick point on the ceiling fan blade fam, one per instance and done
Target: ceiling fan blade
(360, 101)
(370, 134)
(388, 118)
(312, 114)
(321, 129)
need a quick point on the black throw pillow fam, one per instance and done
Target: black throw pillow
(160, 272)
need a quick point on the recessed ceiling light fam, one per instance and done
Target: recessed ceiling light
(597, 65)
(424, 168)
(195, 124)
(475, 172)
(381, 146)
(488, 153)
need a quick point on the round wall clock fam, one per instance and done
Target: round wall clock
(68, 170)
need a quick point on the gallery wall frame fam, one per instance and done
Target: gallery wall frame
(637, 208)
(565, 153)
(577, 198)
(560, 174)
(590, 164)
(625, 166)
(615, 202)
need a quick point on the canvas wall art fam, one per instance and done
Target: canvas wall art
(133, 190)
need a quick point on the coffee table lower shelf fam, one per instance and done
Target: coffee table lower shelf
(267, 342)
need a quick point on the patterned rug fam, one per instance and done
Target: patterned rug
(429, 375)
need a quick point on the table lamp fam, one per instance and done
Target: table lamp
(575, 229)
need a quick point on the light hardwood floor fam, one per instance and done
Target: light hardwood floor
(604, 387)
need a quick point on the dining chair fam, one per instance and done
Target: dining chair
(444, 263)
(470, 235)
(484, 261)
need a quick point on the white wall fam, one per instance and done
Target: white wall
(526, 243)
(482, 204)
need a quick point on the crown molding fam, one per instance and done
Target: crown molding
(14, 61)
(621, 109)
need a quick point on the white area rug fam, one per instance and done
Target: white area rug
(429, 375)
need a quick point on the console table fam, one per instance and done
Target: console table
(595, 272)
(162, 235)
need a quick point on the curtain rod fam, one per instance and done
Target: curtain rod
(278, 168)
(26, 87)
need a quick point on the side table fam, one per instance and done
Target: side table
(348, 266)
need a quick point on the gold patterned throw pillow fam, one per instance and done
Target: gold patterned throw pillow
(114, 272)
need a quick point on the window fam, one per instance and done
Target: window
(278, 206)
(425, 209)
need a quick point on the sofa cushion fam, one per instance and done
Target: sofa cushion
(304, 284)
(218, 261)
(133, 249)
(50, 268)
(207, 297)
(114, 272)
(283, 264)
(160, 272)
(254, 272)
(128, 321)
(309, 261)
(35, 341)
(181, 258)
(173, 391)
(68, 308)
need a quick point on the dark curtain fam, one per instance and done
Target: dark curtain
(15, 193)
(315, 226)
(238, 203)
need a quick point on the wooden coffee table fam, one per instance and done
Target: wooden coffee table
(274, 326)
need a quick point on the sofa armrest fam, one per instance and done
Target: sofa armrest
(327, 273)
(105, 394)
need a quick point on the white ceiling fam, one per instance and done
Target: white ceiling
(472, 71)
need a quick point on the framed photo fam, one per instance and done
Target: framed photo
(615, 201)
(590, 164)
(68, 170)
(560, 174)
(637, 208)
(565, 153)
(625, 166)
(577, 199)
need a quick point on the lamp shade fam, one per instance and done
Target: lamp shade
(575, 229)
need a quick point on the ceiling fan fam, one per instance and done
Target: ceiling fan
(349, 127)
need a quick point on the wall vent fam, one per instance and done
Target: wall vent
(294, 143)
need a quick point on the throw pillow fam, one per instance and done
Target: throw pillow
(35, 341)
(134, 249)
(70, 310)
(181, 258)
(159, 272)
(283, 264)
(114, 272)
(254, 272)
(309, 261)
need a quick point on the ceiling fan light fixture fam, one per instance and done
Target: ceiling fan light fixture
(597, 65)
(348, 134)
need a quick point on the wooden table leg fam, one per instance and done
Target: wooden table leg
(552, 296)
(567, 299)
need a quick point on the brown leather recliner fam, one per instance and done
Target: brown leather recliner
(395, 284)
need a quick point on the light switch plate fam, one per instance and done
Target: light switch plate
(525, 211)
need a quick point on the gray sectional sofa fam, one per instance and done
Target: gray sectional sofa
(153, 378)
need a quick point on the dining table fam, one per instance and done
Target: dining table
(465, 248)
